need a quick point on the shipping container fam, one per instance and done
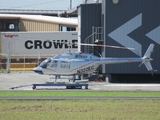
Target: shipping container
(34, 44)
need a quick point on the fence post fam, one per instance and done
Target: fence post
(24, 63)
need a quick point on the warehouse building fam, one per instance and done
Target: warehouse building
(39, 31)
(129, 23)
(28, 23)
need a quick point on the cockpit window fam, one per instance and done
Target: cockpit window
(45, 62)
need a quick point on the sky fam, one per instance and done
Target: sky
(39, 4)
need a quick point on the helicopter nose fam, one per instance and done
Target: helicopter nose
(38, 70)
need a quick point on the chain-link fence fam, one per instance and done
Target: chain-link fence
(16, 63)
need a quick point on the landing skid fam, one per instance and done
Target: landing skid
(73, 84)
(78, 84)
(68, 85)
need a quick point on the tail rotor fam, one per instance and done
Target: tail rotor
(147, 58)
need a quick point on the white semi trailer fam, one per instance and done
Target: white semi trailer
(34, 44)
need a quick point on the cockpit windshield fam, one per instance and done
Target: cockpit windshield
(45, 62)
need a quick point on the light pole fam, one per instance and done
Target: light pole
(8, 58)
(70, 4)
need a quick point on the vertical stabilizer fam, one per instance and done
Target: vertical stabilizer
(149, 51)
(146, 58)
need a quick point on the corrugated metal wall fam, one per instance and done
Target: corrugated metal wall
(29, 25)
(90, 15)
(132, 23)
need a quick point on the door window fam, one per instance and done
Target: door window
(65, 64)
(54, 64)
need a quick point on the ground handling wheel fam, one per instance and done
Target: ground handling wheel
(34, 87)
(86, 87)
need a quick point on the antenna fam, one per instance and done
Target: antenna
(69, 46)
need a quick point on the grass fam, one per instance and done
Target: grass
(79, 109)
(77, 93)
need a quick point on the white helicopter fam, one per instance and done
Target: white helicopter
(67, 55)
(78, 63)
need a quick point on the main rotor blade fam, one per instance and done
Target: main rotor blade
(110, 46)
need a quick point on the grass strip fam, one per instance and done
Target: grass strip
(78, 93)
(79, 109)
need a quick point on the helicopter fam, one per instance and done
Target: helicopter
(67, 55)
(78, 63)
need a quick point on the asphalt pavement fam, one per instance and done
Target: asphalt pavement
(24, 80)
